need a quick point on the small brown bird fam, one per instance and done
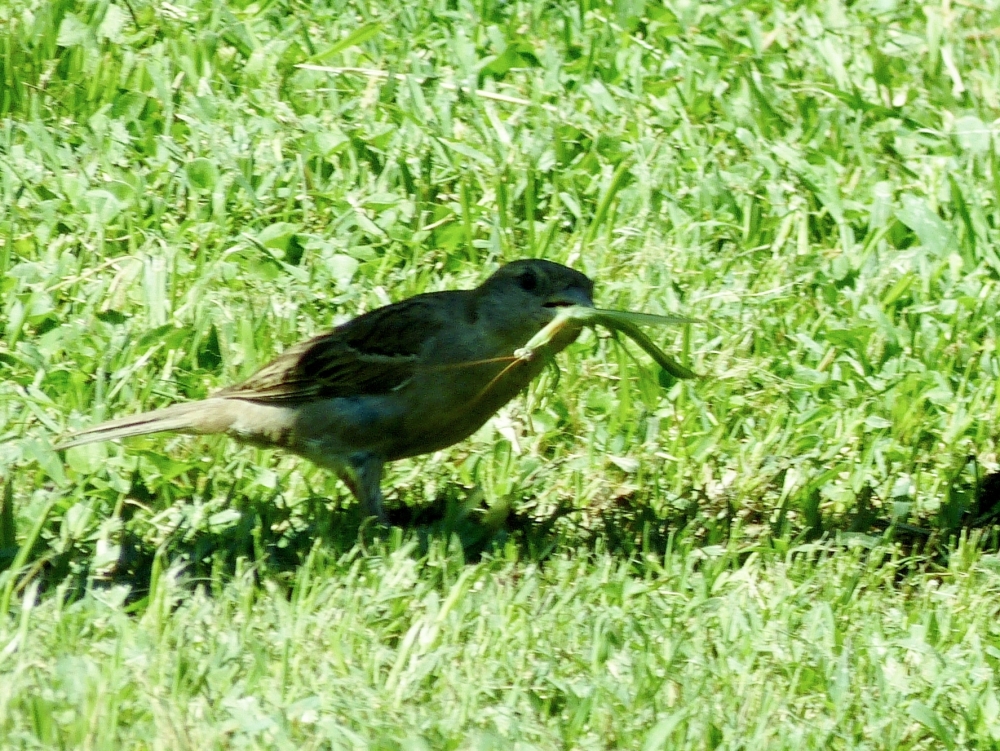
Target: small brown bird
(402, 380)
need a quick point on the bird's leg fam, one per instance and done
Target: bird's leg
(363, 476)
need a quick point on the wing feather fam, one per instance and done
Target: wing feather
(372, 354)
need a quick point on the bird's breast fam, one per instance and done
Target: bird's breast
(452, 403)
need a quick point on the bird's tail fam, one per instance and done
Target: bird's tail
(181, 418)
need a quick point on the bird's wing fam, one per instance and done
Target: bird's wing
(372, 354)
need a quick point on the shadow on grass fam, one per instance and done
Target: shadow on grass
(273, 539)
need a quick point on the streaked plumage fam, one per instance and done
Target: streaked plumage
(406, 379)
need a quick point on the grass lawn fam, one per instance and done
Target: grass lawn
(796, 550)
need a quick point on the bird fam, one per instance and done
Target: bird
(409, 378)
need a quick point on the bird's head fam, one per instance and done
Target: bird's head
(541, 284)
(525, 295)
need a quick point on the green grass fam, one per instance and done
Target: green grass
(187, 188)
(376, 649)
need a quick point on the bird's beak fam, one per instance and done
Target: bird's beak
(570, 296)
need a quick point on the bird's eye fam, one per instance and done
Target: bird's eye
(528, 280)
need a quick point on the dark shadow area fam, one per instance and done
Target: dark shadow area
(272, 538)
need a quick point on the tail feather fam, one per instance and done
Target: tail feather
(181, 418)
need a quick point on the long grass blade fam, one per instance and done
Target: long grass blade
(622, 321)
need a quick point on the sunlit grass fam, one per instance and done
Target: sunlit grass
(377, 648)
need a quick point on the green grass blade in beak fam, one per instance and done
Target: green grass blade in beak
(661, 358)
(610, 317)
(616, 320)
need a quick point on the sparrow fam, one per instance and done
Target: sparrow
(406, 379)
